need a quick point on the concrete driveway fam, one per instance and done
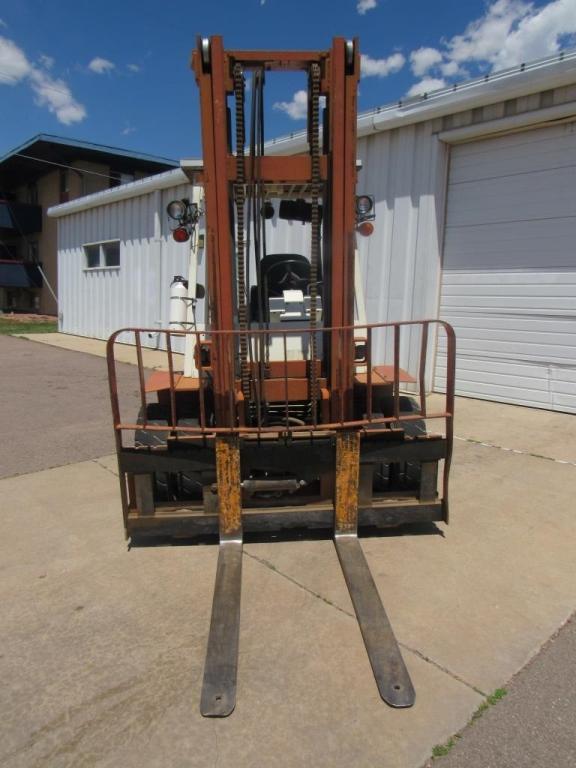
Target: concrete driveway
(103, 648)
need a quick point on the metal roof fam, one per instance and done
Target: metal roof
(31, 160)
(542, 74)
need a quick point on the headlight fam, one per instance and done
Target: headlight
(364, 205)
(177, 209)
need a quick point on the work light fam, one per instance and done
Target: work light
(177, 209)
(364, 206)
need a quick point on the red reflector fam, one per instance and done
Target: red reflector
(181, 234)
(366, 228)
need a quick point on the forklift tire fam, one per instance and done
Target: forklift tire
(168, 486)
(409, 470)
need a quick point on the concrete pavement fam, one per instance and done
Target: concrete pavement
(103, 649)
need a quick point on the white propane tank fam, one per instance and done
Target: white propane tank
(178, 303)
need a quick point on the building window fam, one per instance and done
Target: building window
(33, 251)
(117, 178)
(102, 255)
(32, 193)
(64, 185)
(9, 251)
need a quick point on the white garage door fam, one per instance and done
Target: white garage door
(509, 271)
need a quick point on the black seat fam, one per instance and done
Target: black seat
(279, 272)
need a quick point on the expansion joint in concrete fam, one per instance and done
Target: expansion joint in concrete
(103, 466)
(317, 595)
(442, 668)
(513, 450)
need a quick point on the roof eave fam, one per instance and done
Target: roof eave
(133, 189)
(538, 76)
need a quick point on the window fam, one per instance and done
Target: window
(100, 255)
(111, 252)
(64, 186)
(33, 251)
(118, 177)
(9, 251)
(32, 193)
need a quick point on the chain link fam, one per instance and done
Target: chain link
(240, 200)
(315, 241)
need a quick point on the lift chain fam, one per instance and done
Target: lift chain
(240, 198)
(315, 221)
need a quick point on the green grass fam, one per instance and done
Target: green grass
(11, 326)
(494, 698)
(441, 750)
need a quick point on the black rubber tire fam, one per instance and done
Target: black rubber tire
(168, 486)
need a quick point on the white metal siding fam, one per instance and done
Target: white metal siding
(97, 302)
(405, 169)
(509, 279)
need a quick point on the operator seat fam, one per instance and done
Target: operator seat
(279, 272)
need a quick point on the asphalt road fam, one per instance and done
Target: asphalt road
(534, 725)
(55, 406)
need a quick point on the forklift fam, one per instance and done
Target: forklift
(286, 410)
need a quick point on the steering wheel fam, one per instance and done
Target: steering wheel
(287, 274)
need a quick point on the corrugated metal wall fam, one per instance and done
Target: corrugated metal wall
(96, 302)
(405, 169)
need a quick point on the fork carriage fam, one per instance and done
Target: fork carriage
(287, 449)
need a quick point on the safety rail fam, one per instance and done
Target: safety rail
(222, 349)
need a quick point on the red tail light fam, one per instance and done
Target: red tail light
(180, 234)
(366, 228)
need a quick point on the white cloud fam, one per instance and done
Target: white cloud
(509, 33)
(3, 23)
(128, 129)
(423, 59)
(57, 97)
(49, 92)
(363, 6)
(538, 34)
(297, 109)
(484, 37)
(450, 68)
(426, 85)
(100, 66)
(14, 66)
(370, 67)
(46, 61)
(133, 67)
(512, 32)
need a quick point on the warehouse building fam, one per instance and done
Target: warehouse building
(475, 225)
(42, 172)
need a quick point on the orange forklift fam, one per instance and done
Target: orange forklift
(287, 410)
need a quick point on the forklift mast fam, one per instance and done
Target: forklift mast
(326, 175)
(289, 411)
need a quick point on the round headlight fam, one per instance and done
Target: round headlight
(364, 205)
(176, 209)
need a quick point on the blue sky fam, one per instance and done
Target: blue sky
(117, 73)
